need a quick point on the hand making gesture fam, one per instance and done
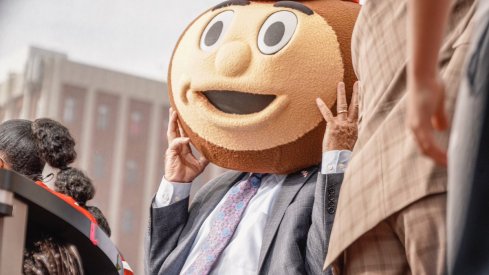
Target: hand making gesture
(180, 163)
(342, 130)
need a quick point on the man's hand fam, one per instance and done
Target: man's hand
(426, 113)
(180, 164)
(342, 130)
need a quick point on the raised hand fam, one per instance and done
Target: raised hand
(180, 164)
(342, 130)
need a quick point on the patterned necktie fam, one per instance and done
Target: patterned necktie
(223, 227)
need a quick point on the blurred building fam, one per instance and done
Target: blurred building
(119, 122)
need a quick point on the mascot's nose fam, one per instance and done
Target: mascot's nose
(233, 58)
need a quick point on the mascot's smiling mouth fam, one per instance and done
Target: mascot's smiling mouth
(233, 102)
(229, 109)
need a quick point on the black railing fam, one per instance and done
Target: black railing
(49, 215)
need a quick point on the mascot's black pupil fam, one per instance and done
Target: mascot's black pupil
(213, 34)
(274, 34)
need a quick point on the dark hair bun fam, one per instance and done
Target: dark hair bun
(101, 220)
(55, 144)
(76, 184)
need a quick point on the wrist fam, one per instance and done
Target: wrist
(347, 142)
(337, 147)
(176, 179)
(423, 78)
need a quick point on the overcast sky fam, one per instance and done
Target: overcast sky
(134, 36)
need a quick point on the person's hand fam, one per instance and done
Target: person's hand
(342, 130)
(426, 113)
(180, 164)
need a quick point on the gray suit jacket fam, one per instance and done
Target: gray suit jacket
(297, 232)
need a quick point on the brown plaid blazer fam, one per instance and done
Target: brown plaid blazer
(387, 172)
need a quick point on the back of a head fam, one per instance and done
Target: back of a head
(18, 147)
(48, 256)
(26, 146)
(74, 183)
(101, 220)
(54, 142)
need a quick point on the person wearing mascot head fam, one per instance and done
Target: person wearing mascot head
(245, 83)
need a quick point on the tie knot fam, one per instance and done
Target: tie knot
(255, 179)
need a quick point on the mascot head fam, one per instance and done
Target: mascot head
(244, 77)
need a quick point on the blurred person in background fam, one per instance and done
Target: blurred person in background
(391, 216)
(468, 199)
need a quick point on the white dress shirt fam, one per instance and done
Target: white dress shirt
(241, 255)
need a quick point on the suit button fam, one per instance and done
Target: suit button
(331, 210)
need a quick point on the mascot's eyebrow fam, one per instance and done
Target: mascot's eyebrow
(295, 6)
(231, 3)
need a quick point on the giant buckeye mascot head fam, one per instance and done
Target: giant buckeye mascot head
(244, 77)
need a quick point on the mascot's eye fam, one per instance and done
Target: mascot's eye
(276, 32)
(215, 30)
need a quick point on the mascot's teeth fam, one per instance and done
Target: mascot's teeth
(240, 103)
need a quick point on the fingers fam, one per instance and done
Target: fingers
(353, 109)
(181, 131)
(172, 131)
(325, 111)
(178, 128)
(428, 146)
(439, 120)
(178, 144)
(203, 161)
(197, 164)
(341, 104)
(193, 162)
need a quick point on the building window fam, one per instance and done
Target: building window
(102, 117)
(69, 110)
(132, 170)
(127, 221)
(99, 165)
(136, 121)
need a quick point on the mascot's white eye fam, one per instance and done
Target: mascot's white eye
(215, 30)
(276, 32)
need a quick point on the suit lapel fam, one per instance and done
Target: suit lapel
(291, 186)
(209, 202)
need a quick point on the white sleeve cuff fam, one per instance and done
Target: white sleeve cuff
(171, 192)
(335, 161)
